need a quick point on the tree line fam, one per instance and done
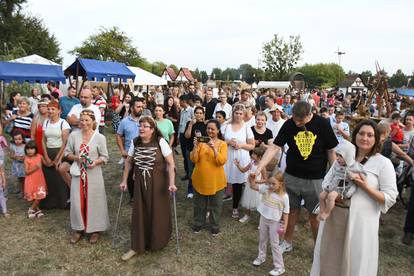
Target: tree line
(22, 34)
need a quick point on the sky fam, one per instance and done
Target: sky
(227, 33)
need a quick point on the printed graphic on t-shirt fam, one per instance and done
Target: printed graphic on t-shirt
(272, 202)
(305, 141)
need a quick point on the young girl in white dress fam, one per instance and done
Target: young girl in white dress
(250, 199)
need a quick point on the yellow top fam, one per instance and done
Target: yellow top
(208, 175)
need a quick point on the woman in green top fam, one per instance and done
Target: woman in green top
(164, 125)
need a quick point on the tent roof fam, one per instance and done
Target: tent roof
(97, 70)
(21, 72)
(184, 73)
(169, 74)
(34, 59)
(273, 84)
(144, 78)
(405, 92)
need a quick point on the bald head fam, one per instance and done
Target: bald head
(85, 97)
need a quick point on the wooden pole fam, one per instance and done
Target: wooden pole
(77, 77)
(2, 91)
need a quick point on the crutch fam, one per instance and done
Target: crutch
(117, 219)
(176, 223)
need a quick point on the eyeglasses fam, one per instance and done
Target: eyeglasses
(145, 126)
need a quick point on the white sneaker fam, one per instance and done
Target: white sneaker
(286, 247)
(190, 195)
(235, 214)
(277, 271)
(244, 219)
(258, 262)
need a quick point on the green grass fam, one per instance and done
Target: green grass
(41, 247)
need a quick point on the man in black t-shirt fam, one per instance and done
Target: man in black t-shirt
(311, 142)
(209, 104)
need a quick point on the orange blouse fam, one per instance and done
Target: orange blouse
(208, 175)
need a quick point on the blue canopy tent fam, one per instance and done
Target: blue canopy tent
(97, 70)
(23, 72)
(405, 92)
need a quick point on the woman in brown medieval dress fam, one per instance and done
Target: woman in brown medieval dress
(151, 158)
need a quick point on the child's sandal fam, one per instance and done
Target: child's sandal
(39, 214)
(31, 213)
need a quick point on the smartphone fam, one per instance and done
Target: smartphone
(203, 139)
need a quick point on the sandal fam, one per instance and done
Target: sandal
(39, 214)
(76, 236)
(31, 213)
(94, 238)
(131, 253)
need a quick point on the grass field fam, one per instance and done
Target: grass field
(41, 247)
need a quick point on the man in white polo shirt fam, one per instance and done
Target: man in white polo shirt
(85, 99)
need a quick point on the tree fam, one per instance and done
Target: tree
(22, 35)
(248, 73)
(173, 66)
(366, 76)
(399, 79)
(216, 74)
(322, 75)
(110, 44)
(196, 74)
(230, 74)
(280, 57)
(203, 76)
(158, 67)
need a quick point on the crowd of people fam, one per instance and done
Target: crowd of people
(274, 152)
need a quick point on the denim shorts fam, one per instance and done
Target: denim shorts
(301, 188)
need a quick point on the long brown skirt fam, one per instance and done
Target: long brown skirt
(151, 214)
(333, 253)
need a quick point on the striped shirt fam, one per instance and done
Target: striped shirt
(22, 123)
(101, 104)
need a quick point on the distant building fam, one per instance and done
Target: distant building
(352, 85)
(169, 74)
(184, 75)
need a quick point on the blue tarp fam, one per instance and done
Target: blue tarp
(405, 92)
(22, 72)
(97, 70)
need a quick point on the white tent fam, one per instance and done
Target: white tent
(34, 59)
(273, 84)
(145, 78)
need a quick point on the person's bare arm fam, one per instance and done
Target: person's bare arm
(248, 146)
(72, 120)
(171, 141)
(270, 152)
(242, 169)
(120, 143)
(396, 149)
(187, 133)
(331, 156)
(64, 137)
(171, 172)
(127, 168)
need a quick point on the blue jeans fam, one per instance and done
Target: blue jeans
(190, 166)
(184, 151)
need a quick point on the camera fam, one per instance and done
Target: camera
(203, 139)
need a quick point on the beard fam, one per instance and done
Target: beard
(137, 114)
